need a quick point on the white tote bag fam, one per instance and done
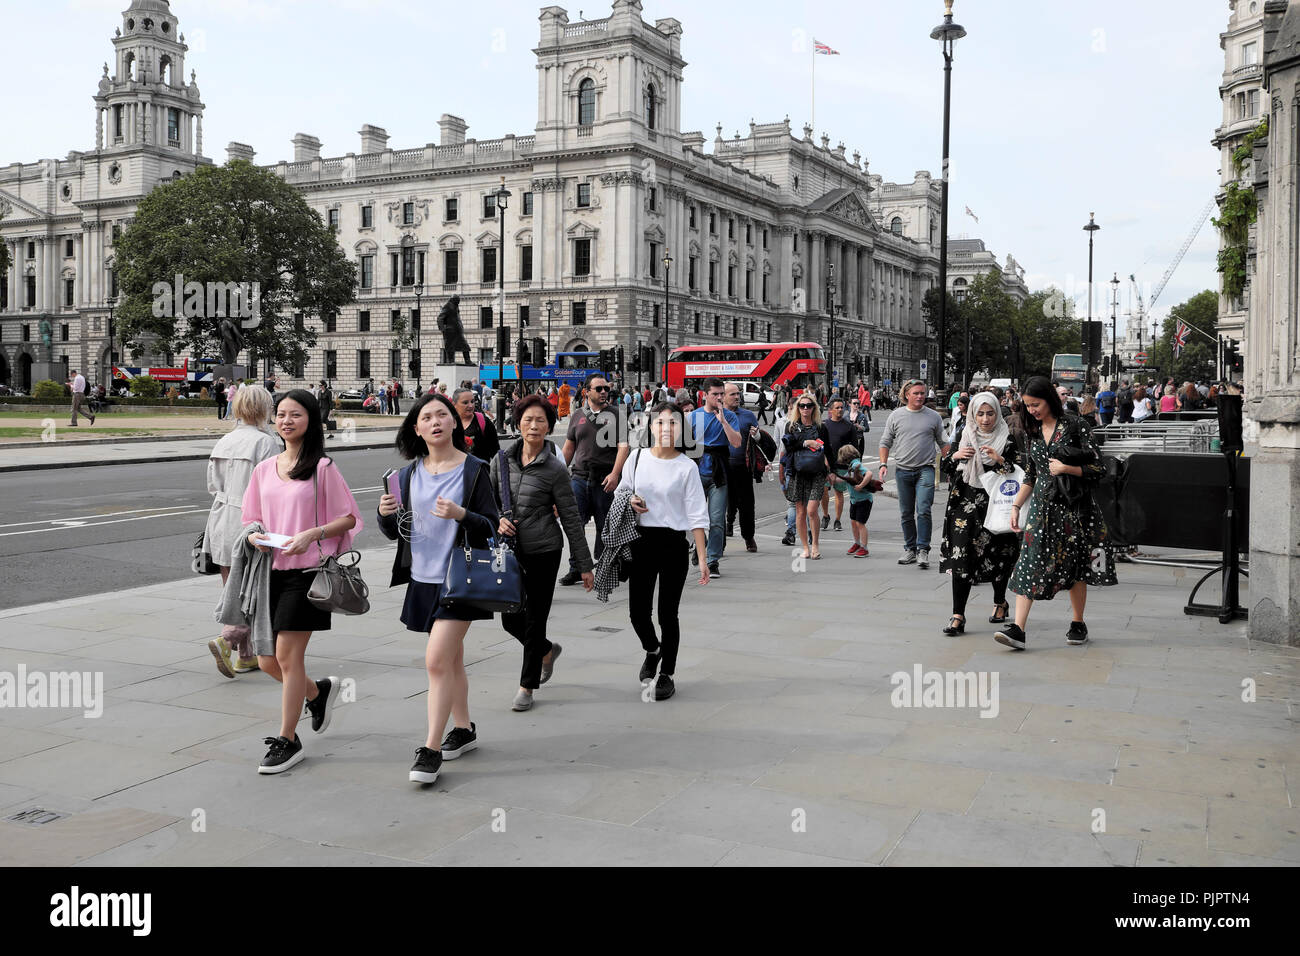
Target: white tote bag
(1002, 490)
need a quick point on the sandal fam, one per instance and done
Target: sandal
(816, 556)
(956, 625)
(1005, 608)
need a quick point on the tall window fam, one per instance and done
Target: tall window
(394, 363)
(713, 277)
(367, 272)
(173, 127)
(524, 313)
(69, 294)
(331, 364)
(656, 316)
(653, 198)
(489, 206)
(690, 272)
(363, 363)
(584, 194)
(586, 102)
(63, 331)
(489, 265)
(654, 260)
(896, 226)
(451, 210)
(392, 268)
(332, 219)
(582, 257)
(408, 213)
(650, 106)
(367, 217)
(408, 266)
(713, 224)
(485, 316)
(528, 204)
(117, 123)
(1249, 53)
(749, 234)
(764, 288)
(363, 320)
(331, 321)
(697, 323)
(525, 263)
(731, 282)
(691, 213)
(68, 248)
(394, 317)
(764, 238)
(731, 228)
(450, 267)
(579, 313)
(749, 284)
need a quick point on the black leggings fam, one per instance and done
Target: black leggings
(961, 592)
(528, 626)
(658, 555)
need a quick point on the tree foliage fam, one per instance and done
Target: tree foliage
(1198, 360)
(146, 386)
(231, 224)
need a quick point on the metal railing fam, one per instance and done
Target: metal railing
(1187, 437)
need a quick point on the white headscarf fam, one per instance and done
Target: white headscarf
(972, 437)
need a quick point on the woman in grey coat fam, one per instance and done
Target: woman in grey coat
(229, 468)
(539, 488)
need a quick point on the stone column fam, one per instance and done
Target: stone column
(864, 285)
(815, 271)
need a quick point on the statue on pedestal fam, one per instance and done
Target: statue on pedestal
(453, 333)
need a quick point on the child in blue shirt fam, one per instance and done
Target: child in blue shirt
(852, 475)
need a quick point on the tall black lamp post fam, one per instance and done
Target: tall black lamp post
(947, 33)
(830, 307)
(112, 334)
(550, 354)
(503, 200)
(1088, 357)
(1114, 309)
(417, 319)
(668, 261)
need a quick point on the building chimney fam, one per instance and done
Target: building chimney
(305, 148)
(374, 139)
(236, 151)
(452, 130)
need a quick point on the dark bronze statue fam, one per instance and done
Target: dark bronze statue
(453, 333)
(232, 340)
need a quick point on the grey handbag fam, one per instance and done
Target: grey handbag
(337, 586)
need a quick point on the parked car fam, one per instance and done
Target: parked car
(351, 395)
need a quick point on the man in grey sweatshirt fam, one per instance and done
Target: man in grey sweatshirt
(912, 433)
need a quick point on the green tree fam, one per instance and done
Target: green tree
(930, 310)
(991, 313)
(1198, 359)
(230, 224)
(1043, 326)
(146, 386)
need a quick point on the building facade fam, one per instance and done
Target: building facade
(968, 260)
(620, 228)
(1242, 94)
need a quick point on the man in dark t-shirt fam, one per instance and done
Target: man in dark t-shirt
(839, 432)
(595, 450)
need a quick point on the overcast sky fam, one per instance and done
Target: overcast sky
(1058, 109)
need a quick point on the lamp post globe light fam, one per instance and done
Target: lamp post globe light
(947, 33)
(1088, 357)
(668, 261)
(417, 320)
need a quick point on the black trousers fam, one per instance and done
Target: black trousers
(740, 500)
(658, 555)
(528, 626)
(961, 588)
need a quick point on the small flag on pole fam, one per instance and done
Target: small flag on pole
(971, 214)
(819, 47)
(1180, 338)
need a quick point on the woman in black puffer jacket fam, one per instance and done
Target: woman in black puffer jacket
(539, 487)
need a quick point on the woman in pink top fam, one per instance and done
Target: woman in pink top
(1168, 401)
(299, 493)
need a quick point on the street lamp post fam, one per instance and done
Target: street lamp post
(830, 305)
(503, 200)
(668, 261)
(1088, 357)
(550, 307)
(417, 320)
(1114, 310)
(947, 33)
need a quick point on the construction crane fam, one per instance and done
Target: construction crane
(1187, 244)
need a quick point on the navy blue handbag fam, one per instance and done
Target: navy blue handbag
(486, 579)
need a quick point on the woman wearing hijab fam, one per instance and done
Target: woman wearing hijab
(969, 552)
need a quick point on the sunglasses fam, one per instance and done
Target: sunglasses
(600, 388)
(806, 405)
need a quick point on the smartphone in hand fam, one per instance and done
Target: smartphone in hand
(392, 484)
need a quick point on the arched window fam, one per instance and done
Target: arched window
(650, 106)
(129, 63)
(959, 289)
(587, 102)
(896, 226)
(165, 70)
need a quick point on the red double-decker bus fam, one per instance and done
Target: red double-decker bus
(798, 365)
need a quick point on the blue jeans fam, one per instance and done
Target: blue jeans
(593, 502)
(717, 497)
(915, 499)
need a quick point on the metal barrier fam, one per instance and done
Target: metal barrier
(1188, 437)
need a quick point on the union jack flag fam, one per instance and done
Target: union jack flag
(1180, 338)
(819, 47)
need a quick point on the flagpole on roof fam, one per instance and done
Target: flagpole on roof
(812, 89)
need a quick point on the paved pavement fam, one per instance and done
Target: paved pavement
(782, 745)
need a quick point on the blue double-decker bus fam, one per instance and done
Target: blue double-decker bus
(568, 367)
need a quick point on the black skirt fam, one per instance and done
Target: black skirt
(421, 608)
(290, 609)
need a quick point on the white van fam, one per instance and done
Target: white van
(749, 392)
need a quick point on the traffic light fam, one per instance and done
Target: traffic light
(539, 351)
(648, 359)
(503, 341)
(635, 364)
(524, 358)
(618, 360)
(1105, 366)
(1232, 360)
(606, 361)
(876, 373)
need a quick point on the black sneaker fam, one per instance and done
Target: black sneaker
(1012, 636)
(826, 522)
(838, 526)
(570, 579)
(731, 531)
(664, 687)
(649, 667)
(323, 706)
(282, 755)
(425, 768)
(923, 560)
(713, 570)
(1077, 634)
(459, 741)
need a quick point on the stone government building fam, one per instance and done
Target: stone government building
(603, 189)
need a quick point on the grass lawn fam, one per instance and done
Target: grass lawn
(35, 434)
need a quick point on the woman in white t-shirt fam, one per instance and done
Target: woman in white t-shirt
(1143, 407)
(668, 498)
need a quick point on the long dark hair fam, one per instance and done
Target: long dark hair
(410, 445)
(312, 449)
(1040, 388)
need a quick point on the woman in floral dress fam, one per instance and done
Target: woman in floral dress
(1064, 541)
(969, 553)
